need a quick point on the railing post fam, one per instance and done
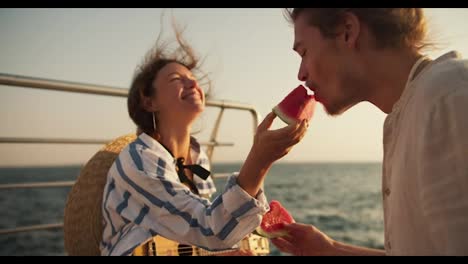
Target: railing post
(214, 133)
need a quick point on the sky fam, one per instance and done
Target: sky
(248, 54)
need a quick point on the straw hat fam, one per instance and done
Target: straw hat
(83, 225)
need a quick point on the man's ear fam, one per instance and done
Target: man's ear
(351, 30)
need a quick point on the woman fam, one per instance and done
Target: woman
(149, 192)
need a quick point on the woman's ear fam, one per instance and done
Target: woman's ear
(148, 104)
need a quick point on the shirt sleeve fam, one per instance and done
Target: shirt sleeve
(161, 204)
(443, 172)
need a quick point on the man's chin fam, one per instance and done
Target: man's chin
(331, 111)
(334, 110)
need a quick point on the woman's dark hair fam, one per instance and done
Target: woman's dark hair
(143, 83)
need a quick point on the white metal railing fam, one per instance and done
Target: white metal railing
(15, 140)
(65, 86)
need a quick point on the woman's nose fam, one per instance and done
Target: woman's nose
(190, 83)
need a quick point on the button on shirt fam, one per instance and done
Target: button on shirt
(144, 197)
(387, 191)
(425, 166)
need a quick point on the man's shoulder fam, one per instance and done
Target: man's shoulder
(443, 76)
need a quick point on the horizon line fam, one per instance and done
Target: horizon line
(214, 163)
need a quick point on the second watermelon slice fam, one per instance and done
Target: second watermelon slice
(273, 220)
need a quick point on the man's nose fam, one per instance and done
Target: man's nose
(302, 74)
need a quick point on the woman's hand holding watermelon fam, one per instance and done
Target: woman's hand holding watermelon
(268, 147)
(296, 109)
(271, 145)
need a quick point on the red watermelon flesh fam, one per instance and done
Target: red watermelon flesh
(296, 106)
(273, 221)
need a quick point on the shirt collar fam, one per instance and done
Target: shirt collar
(155, 145)
(406, 94)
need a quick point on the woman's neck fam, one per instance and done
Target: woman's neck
(177, 140)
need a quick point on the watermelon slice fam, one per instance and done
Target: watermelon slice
(296, 106)
(273, 220)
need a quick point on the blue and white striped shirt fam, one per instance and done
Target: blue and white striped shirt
(144, 197)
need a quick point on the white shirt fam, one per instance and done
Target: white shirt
(425, 167)
(144, 197)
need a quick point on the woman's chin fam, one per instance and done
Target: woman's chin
(192, 112)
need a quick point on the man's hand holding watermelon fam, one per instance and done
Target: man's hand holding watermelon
(279, 225)
(301, 239)
(307, 240)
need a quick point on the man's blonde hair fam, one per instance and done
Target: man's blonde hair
(391, 27)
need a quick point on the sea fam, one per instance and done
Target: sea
(343, 200)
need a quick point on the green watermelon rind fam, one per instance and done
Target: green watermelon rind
(283, 116)
(275, 234)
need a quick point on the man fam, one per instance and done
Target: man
(350, 55)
